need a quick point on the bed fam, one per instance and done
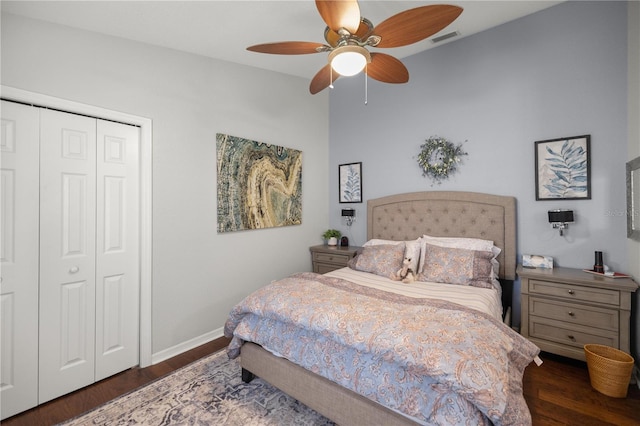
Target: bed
(417, 385)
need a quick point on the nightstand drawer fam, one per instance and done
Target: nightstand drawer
(327, 258)
(323, 268)
(590, 316)
(570, 334)
(335, 259)
(575, 292)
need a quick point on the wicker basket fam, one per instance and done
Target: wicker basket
(609, 369)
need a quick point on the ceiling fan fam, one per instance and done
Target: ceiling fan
(348, 35)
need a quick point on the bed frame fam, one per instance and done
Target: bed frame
(451, 214)
(397, 217)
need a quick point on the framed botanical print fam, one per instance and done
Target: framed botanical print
(563, 168)
(350, 181)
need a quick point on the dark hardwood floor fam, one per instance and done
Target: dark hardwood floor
(558, 393)
(78, 402)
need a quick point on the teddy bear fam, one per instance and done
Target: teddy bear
(405, 274)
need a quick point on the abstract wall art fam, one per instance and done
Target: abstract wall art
(259, 184)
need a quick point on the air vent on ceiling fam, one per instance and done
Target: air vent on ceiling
(445, 37)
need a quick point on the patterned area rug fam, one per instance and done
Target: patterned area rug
(209, 391)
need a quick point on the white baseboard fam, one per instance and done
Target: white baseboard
(185, 346)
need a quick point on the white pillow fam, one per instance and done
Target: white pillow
(460, 242)
(412, 250)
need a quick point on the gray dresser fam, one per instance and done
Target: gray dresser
(563, 309)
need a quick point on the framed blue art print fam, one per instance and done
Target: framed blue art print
(563, 169)
(350, 181)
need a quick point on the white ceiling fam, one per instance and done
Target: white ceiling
(223, 29)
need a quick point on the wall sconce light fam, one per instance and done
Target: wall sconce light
(560, 219)
(349, 216)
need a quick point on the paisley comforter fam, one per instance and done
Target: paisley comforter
(434, 360)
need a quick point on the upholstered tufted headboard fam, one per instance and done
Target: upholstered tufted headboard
(448, 214)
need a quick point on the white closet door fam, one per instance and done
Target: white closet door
(67, 253)
(19, 258)
(117, 260)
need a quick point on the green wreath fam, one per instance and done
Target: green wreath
(439, 158)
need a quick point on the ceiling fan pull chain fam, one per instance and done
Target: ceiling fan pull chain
(330, 77)
(366, 86)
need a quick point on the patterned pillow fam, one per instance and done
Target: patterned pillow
(383, 260)
(457, 242)
(411, 251)
(464, 243)
(456, 266)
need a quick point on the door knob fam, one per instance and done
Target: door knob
(74, 269)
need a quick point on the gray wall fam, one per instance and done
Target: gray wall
(198, 275)
(560, 72)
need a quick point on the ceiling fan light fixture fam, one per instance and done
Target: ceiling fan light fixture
(349, 60)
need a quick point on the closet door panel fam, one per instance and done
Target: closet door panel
(67, 253)
(19, 258)
(117, 258)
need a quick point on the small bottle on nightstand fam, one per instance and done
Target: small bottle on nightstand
(599, 264)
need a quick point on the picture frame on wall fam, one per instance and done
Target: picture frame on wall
(350, 182)
(563, 168)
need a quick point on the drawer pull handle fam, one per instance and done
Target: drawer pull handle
(74, 269)
(571, 292)
(571, 314)
(572, 338)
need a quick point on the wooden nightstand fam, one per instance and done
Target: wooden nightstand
(329, 258)
(563, 309)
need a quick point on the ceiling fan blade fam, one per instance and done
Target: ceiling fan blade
(387, 69)
(413, 25)
(340, 14)
(323, 79)
(287, 47)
